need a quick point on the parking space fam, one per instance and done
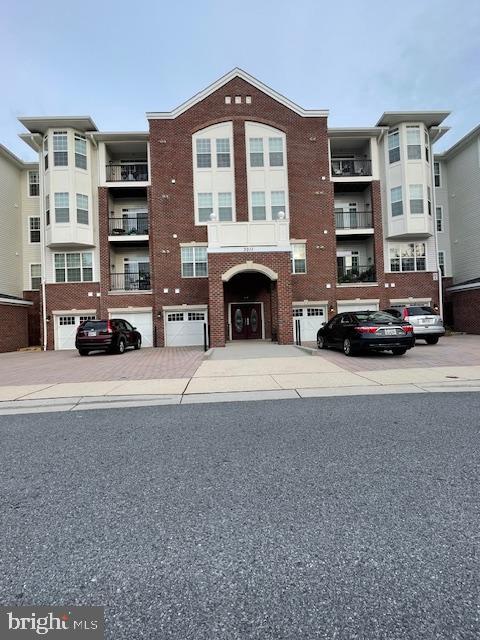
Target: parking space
(38, 367)
(455, 350)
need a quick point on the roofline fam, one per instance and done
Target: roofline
(460, 144)
(236, 72)
(359, 131)
(111, 135)
(29, 121)
(21, 164)
(441, 113)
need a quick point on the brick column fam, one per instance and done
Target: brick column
(241, 194)
(216, 311)
(378, 231)
(103, 222)
(284, 308)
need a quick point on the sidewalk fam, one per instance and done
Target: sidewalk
(290, 373)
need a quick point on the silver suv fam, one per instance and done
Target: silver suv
(426, 323)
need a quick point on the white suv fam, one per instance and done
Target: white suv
(426, 323)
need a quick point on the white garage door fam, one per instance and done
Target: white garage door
(66, 330)
(344, 307)
(184, 328)
(142, 320)
(311, 319)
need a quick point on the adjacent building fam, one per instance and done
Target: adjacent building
(233, 216)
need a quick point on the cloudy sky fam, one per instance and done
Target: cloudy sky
(115, 60)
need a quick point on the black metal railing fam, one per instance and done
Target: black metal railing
(136, 225)
(346, 168)
(130, 281)
(356, 273)
(353, 219)
(127, 172)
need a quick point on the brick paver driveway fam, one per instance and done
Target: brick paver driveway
(37, 367)
(456, 350)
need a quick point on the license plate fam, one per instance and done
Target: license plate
(92, 334)
(390, 332)
(427, 321)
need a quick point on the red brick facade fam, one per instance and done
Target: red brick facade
(14, 323)
(464, 306)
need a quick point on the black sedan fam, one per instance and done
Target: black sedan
(365, 331)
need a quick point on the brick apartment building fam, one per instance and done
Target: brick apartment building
(238, 210)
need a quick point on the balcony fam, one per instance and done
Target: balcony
(128, 228)
(356, 274)
(130, 282)
(353, 221)
(127, 172)
(248, 236)
(351, 168)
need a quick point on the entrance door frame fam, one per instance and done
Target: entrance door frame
(243, 303)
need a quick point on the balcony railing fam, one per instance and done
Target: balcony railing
(353, 219)
(356, 274)
(351, 168)
(130, 281)
(136, 225)
(127, 172)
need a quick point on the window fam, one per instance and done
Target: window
(35, 276)
(416, 198)
(439, 218)
(62, 212)
(427, 146)
(441, 262)
(204, 154)
(45, 152)
(397, 203)
(256, 152)
(175, 317)
(223, 152)
(205, 206)
(297, 313)
(414, 149)
(66, 320)
(278, 204)
(314, 312)
(394, 146)
(225, 207)
(60, 149)
(80, 151)
(275, 152)
(259, 211)
(429, 200)
(299, 261)
(409, 256)
(33, 229)
(47, 210)
(73, 267)
(436, 174)
(195, 315)
(82, 209)
(194, 262)
(33, 183)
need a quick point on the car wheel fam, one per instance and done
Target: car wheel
(121, 346)
(83, 352)
(399, 352)
(138, 344)
(431, 340)
(321, 344)
(348, 349)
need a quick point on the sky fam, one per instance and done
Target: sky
(116, 60)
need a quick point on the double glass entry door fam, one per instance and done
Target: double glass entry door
(246, 321)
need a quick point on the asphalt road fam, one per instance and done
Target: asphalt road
(334, 518)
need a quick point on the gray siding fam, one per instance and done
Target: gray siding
(11, 271)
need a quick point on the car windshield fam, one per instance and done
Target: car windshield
(373, 316)
(421, 311)
(95, 325)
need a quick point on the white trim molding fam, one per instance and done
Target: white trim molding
(249, 266)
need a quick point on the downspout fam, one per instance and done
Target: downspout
(435, 233)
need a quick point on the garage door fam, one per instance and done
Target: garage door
(343, 307)
(142, 320)
(311, 319)
(66, 330)
(184, 328)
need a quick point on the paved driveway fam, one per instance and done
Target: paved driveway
(38, 367)
(457, 350)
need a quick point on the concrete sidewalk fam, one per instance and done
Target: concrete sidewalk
(290, 373)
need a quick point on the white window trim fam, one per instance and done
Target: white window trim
(442, 230)
(268, 205)
(81, 268)
(399, 244)
(30, 264)
(299, 273)
(63, 167)
(192, 246)
(29, 229)
(28, 182)
(442, 251)
(75, 134)
(437, 162)
(215, 207)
